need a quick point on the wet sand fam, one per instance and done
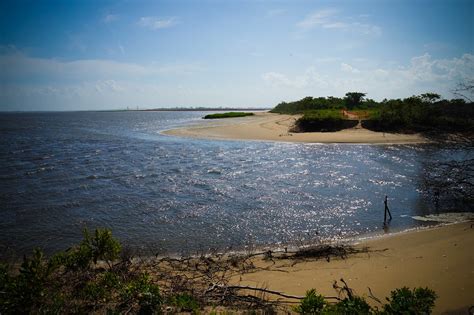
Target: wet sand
(274, 127)
(441, 258)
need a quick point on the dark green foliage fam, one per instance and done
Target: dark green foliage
(28, 290)
(318, 103)
(185, 302)
(354, 99)
(147, 294)
(100, 246)
(307, 104)
(406, 301)
(349, 306)
(402, 301)
(322, 121)
(40, 284)
(228, 115)
(312, 303)
(103, 246)
(101, 287)
(424, 113)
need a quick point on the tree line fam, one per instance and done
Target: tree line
(418, 113)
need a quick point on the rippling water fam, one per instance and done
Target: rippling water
(60, 172)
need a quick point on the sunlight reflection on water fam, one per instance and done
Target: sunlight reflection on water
(63, 171)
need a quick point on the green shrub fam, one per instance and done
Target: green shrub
(323, 120)
(185, 302)
(312, 303)
(354, 305)
(228, 115)
(101, 287)
(100, 246)
(103, 245)
(29, 289)
(406, 301)
(145, 292)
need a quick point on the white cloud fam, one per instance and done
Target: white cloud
(329, 19)
(335, 25)
(28, 83)
(109, 18)
(348, 68)
(19, 65)
(422, 74)
(316, 18)
(309, 78)
(156, 23)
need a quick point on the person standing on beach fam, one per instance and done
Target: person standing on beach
(386, 210)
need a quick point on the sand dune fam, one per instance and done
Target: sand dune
(274, 127)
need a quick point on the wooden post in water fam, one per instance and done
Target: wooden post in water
(386, 210)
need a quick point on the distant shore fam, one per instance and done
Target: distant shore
(440, 258)
(274, 127)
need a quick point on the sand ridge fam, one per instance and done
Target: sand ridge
(266, 126)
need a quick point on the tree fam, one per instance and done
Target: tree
(430, 97)
(465, 90)
(354, 99)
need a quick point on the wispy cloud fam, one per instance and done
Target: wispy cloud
(321, 17)
(309, 78)
(275, 12)
(348, 68)
(330, 19)
(156, 23)
(109, 18)
(17, 65)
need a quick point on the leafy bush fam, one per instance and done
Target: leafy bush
(101, 287)
(354, 305)
(143, 290)
(29, 289)
(406, 301)
(322, 121)
(312, 303)
(228, 115)
(185, 303)
(402, 301)
(100, 246)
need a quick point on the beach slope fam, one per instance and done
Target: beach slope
(439, 258)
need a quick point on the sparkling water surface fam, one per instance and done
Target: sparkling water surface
(60, 172)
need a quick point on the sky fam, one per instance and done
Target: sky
(94, 55)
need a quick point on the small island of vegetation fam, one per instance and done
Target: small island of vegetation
(426, 113)
(227, 115)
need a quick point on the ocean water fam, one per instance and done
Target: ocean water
(61, 172)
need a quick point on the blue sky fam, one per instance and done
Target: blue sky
(68, 55)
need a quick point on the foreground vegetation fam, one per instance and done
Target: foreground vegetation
(97, 276)
(227, 115)
(421, 113)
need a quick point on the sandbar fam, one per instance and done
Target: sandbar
(266, 126)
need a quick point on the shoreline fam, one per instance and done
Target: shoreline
(274, 127)
(438, 257)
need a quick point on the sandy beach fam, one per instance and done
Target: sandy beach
(274, 127)
(440, 258)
